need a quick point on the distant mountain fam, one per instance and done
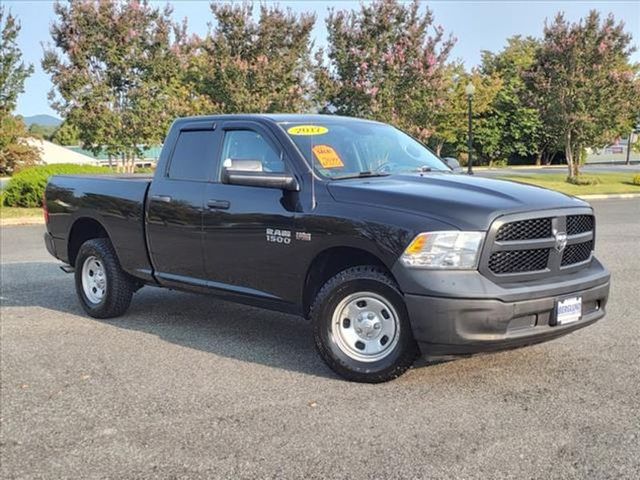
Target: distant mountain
(45, 120)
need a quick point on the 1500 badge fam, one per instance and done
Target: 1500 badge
(276, 235)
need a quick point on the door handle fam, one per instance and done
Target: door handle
(161, 198)
(218, 204)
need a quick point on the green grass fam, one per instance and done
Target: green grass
(608, 183)
(19, 212)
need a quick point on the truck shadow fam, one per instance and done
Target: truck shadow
(195, 321)
(207, 324)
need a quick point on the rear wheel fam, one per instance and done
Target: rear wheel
(361, 326)
(104, 289)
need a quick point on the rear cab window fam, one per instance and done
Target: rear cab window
(194, 156)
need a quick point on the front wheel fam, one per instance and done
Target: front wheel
(104, 289)
(361, 326)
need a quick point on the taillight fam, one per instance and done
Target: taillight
(45, 210)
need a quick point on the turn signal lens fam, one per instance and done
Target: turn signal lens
(453, 250)
(417, 245)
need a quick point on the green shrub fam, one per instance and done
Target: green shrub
(144, 170)
(25, 189)
(584, 180)
(500, 163)
(636, 179)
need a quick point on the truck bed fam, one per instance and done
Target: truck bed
(115, 201)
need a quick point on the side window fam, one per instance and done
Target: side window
(250, 150)
(193, 155)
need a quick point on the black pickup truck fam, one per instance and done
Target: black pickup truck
(349, 223)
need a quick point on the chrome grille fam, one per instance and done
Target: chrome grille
(528, 246)
(525, 230)
(576, 253)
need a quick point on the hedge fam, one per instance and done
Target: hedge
(25, 189)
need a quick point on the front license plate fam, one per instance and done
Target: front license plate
(569, 310)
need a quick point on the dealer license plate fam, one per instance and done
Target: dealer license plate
(569, 310)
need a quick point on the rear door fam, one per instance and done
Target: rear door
(176, 202)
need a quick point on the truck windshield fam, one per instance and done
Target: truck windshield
(350, 148)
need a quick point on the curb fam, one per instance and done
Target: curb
(634, 163)
(16, 222)
(519, 167)
(611, 196)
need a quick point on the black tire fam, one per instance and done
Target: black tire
(119, 285)
(353, 280)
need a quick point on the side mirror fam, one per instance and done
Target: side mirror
(247, 173)
(452, 163)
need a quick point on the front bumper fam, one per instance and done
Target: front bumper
(500, 318)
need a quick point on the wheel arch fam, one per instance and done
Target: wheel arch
(83, 229)
(331, 261)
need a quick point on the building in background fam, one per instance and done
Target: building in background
(51, 153)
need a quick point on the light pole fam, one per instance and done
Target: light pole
(470, 90)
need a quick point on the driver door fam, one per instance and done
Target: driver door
(241, 257)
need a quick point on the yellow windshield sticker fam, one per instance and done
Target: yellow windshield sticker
(307, 130)
(327, 156)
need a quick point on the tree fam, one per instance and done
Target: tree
(15, 152)
(66, 134)
(42, 131)
(516, 119)
(385, 62)
(116, 74)
(245, 65)
(13, 71)
(590, 88)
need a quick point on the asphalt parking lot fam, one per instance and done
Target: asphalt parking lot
(185, 386)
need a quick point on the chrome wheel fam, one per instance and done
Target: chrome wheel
(94, 280)
(365, 326)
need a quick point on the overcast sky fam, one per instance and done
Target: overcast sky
(478, 25)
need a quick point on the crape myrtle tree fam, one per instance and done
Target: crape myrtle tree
(117, 76)
(590, 89)
(252, 65)
(385, 62)
(15, 152)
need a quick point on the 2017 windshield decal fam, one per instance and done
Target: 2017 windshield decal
(307, 130)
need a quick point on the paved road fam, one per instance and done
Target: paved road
(189, 387)
(587, 169)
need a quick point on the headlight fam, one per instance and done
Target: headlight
(444, 250)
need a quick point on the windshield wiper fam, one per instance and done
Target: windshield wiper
(365, 174)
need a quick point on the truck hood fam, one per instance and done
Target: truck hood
(467, 202)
